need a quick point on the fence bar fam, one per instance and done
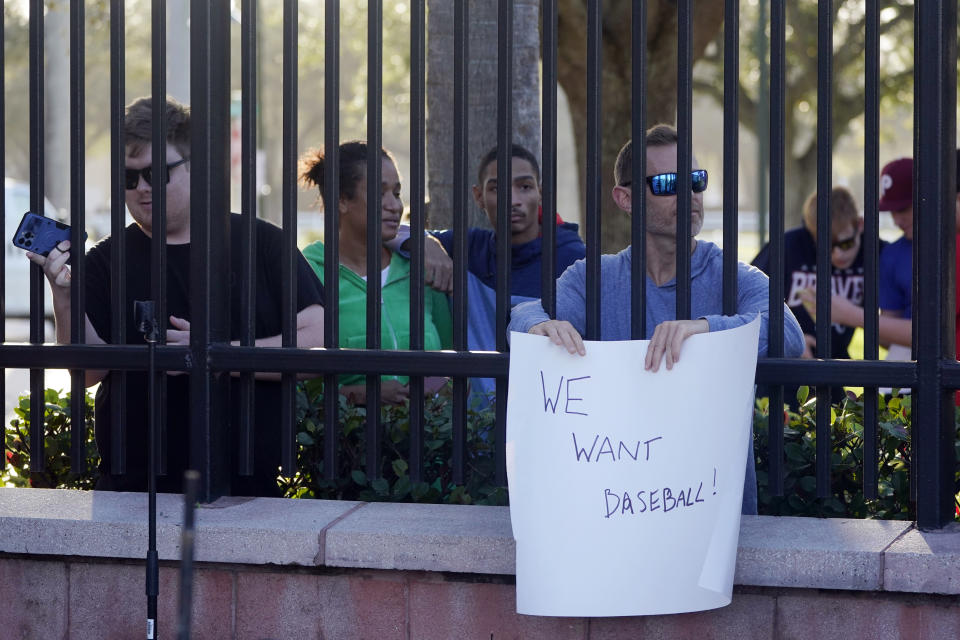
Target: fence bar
(594, 166)
(783, 371)
(936, 188)
(248, 213)
(331, 224)
(871, 243)
(118, 278)
(915, 201)
(461, 55)
(548, 163)
(3, 220)
(70, 356)
(684, 154)
(188, 537)
(374, 210)
(461, 46)
(824, 232)
(158, 239)
(288, 261)
(638, 142)
(78, 404)
(777, 158)
(504, 166)
(37, 321)
(209, 234)
(418, 163)
(504, 188)
(731, 152)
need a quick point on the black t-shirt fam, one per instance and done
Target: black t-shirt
(268, 323)
(800, 272)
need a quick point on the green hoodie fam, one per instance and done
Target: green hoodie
(395, 306)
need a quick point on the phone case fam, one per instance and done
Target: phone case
(39, 234)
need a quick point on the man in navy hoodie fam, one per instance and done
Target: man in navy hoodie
(525, 224)
(526, 249)
(525, 221)
(666, 334)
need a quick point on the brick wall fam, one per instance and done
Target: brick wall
(71, 566)
(78, 598)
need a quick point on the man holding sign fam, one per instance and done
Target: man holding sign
(666, 334)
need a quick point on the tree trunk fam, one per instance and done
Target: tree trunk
(801, 179)
(615, 109)
(481, 98)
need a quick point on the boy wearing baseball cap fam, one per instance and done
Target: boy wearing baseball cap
(896, 260)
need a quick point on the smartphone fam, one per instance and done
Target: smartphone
(39, 234)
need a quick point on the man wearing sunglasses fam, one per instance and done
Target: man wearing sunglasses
(666, 334)
(800, 271)
(141, 179)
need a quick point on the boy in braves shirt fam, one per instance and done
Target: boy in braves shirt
(800, 269)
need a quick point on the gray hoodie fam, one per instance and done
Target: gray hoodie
(706, 301)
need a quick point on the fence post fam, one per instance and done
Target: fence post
(935, 103)
(209, 236)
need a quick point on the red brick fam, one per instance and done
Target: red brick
(107, 601)
(211, 613)
(277, 605)
(851, 617)
(930, 621)
(33, 599)
(273, 605)
(748, 617)
(444, 610)
(377, 604)
(110, 601)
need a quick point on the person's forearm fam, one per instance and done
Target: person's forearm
(309, 335)
(891, 330)
(895, 331)
(62, 322)
(848, 315)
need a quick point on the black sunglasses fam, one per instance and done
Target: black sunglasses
(846, 244)
(133, 175)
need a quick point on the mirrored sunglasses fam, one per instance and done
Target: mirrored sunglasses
(133, 175)
(665, 184)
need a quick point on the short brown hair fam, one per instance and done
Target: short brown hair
(659, 135)
(138, 125)
(516, 151)
(843, 210)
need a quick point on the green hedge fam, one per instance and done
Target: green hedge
(16, 472)
(846, 470)
(394, 483)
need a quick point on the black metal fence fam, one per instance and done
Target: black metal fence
(932, 375)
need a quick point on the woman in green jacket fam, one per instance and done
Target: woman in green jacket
(394, 277)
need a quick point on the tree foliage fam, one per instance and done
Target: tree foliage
(800, 79)
(137, 61)
(16, 41)
(616, 70)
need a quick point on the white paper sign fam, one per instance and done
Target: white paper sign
(626, 485)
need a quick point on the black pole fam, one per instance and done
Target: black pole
(147, 325)
(191, 485)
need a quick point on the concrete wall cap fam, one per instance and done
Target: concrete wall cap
(774, 551)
